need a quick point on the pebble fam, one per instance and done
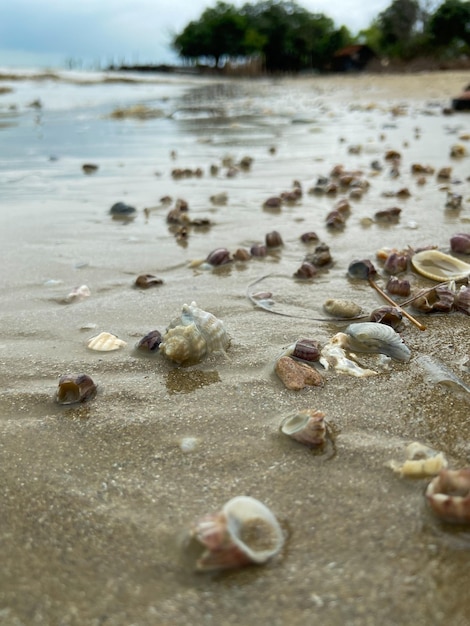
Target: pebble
(297, 375)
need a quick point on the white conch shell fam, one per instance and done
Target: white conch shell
(334, 354)
(244, 531)
(421, 462)
(194, 335)
(106, 342)
(439, 266)
(306, 426)
(374, 337)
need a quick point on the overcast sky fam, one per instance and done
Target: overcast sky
(47, 32)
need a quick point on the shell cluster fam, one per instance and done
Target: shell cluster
(193, 335)
(245, 531)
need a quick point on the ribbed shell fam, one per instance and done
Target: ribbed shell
(194, 335)
(372, 337)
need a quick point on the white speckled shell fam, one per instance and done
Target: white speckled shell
(194, 335)
(373, 337)
(106, 342)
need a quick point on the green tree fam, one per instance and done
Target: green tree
(398, 25)
(450, 24)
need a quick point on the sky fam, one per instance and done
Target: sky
(96, 33)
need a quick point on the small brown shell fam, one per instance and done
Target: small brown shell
(396, 262)
(151, 342)
(306, 350)
(398, 287)
(219, 256)
(309, 237)
(144, 281)
(273, 239)
(258, 250)
(306, 270)
(75, 388)
(389, 315)
(321, 256)
(460, 243)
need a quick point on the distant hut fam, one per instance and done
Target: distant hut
(352, 58)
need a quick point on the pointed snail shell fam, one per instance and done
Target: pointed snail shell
(244, 531)
(194, 335)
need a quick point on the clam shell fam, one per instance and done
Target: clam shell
(245, 531)
(439, 266)
(106, 342)
(193, 335)
(372, 337)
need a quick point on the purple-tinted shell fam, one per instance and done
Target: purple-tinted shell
(259, 250)
(398, 287)
(307, 350)
(151, 342)
(396, 263)
(460, 243)
(306, 270)
(219, 256)
(462, 300)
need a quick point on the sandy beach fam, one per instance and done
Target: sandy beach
(98, 498)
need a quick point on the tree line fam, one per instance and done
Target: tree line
(284, 36)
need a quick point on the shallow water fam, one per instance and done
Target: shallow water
(97, 498)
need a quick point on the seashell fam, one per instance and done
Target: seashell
(333, 354)
(194, 335)
(258, 250)
(245, 531)
(389, 315)
(77, 294)
(439, 266)
(219, 198)
(421, 462)
(273, 239)
(241, 254)
(388, 215)
(371, 337)
(106, 342)
(219, 256)
(274, 202)
(343, 206)
(307, 427)
(335, 219)
(453, 201)
(398, 287)
(342, 308)
(90, 168)
(462, 300)
(295, 375)
(396, 262)
(74, 388)
(457, 151)
(307, 350)
(361, 269)
(246, 162)
(448, 495)
(306, 270)
(320, 257)
(151, 342)
(144, 281)
(309, 237)
(444, 173)
(438, 373)
(121, 209)
(460, 243)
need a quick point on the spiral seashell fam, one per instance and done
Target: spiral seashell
(306, 426)
(341, 308)
(398, 287)
(421, 462)
(194, 335)
(362, 268)
(448, 495)
(371, 337)
(460, 243)
(245, 531)
(74, 388)
(106, 342)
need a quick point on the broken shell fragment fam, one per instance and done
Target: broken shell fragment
(77, 294)
(438, 266)
(306, 426)
(106, 342)
(193, 335)
(448, 495)
(333, 354)
(74, 388)
(245, 531)
(373, 338)
(421, 462)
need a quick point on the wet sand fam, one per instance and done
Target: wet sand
(97, 499)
